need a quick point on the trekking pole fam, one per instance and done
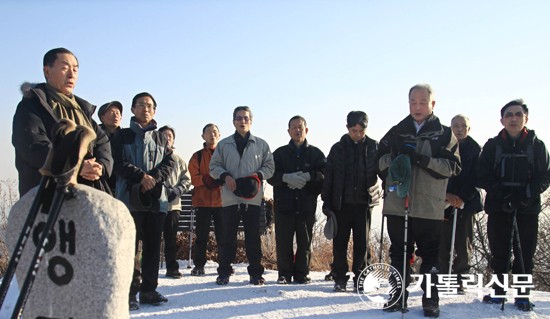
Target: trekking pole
(61, 193)
(404, 286)
(191, 235)
(23, 237)
(381, 240)
(508, 266)
(453, 240)
(519, 242)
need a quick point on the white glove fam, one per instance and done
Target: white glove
(306, 175)
(294, 180)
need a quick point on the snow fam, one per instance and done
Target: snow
(201, 297)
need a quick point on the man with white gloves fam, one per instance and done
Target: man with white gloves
(297, 182)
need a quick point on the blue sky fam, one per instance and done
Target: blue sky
(319, 59)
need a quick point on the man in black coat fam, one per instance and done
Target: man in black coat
(297, 183)
(42, 107)
(514, 169)
(464, 199)
(110, 115)
(351, 190)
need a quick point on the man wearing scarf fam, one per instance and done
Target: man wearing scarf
(44, 105)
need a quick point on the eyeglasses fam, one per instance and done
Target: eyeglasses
(240, 118)
(510, 115)
(146, 105)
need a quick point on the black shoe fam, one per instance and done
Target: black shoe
(176, 274)
(431, 307)
(222, 280)
(393, 305)
(152, 297)
(340, 286)
(302, 280)
(460, 291)
(197, 271)
(329, 277)
(257, 280)
(490, 300)
(134, 305)
(283, 280)
(524, 305)
(232, 272)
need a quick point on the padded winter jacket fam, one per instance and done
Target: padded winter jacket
(180, 179)
(464, 184)
(32, 124)
(137, 152)
(336, 181)
(202, 196)
(429, 179)
(522, 174)
(256, 158)
(287, 160)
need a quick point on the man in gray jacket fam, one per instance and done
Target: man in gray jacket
(178, 184)
(237, 156)
(433, 152)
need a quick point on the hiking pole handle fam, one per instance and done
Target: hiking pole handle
(60, 194)
(22, 240)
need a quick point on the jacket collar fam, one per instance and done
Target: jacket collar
(134, 126)
(293, 147)
(39, 92)
(407, 125)
(208, 149)
(504, 138)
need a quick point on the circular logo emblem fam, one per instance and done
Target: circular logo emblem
(376, 282)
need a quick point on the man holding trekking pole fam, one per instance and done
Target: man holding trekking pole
(465, 201)
(514, 169)
(433, 153)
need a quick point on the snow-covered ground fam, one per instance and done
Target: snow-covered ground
(201, 297)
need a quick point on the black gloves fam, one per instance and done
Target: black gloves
(512, 202)
(173, 193)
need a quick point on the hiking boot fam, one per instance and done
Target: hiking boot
(493, 300)
(460, 291)
(176, 274)
(222, 280)
(524, 305)
(431, 307)
(134, 305)
(340, 286)
(152, 297)
(197, 271)
(232, 272)
(329, 277)
(302, 280)
(283, 280)
(257, 280)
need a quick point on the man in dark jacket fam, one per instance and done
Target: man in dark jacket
(297, 182)
(351, 190)
(110, 115)
(465, 200)
(143, 163)
(42, 107)
(433, 152)
(514, 169)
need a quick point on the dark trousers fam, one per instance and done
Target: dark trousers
(499, 231)
(463, 243)
(149, 230)
(358, 218)
(203, 219)
(170, 238)
(227, 248)
(286, 225)
(426, 233)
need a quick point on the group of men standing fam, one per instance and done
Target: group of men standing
(138, 166)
